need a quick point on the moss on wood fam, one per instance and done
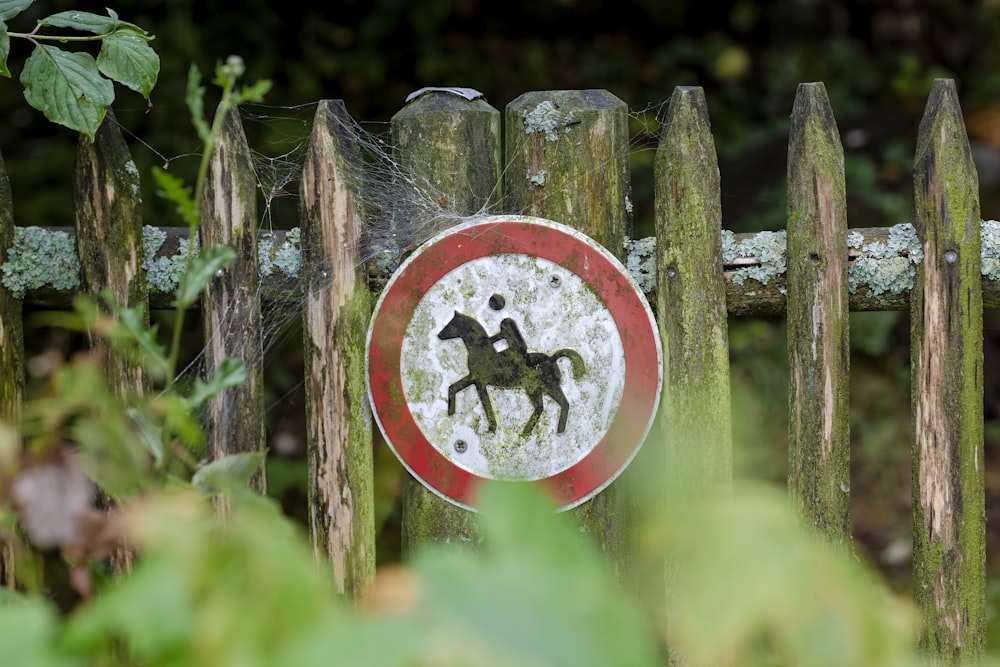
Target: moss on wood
(817, 312)
(947, 384)
(337, 306)
(692, 299)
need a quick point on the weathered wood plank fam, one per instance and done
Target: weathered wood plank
(108, 223)
(747, 299)
(108, 218)
(567, 157)
(454, 144)
(231, 302)
(947, 382)
(11, 353)
(818, 324)
(337, 306)
(695, 414)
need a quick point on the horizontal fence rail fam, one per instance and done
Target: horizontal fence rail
(567, 159)
(43, 269)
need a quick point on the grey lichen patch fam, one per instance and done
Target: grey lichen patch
(855, 240)
(286, 257)
(133, 171)
(729, 249)
(152, 241)
(547, 119)
(538, 178)
(640, 260)
(163, 274)
(40, 258)
(990, 253)
(887, 266)
(769, 249)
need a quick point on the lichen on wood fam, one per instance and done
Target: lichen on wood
(568, 160)
(580, 139)
(946, 344)
(817, 314)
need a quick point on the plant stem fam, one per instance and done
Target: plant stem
(227, 104)
(33, 37)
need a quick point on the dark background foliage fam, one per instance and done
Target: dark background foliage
(877, 58)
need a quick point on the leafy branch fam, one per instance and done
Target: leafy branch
(198, 270)
(72, 88)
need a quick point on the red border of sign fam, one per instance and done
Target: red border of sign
(558, 244)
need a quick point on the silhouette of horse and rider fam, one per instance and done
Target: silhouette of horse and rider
(513, 367)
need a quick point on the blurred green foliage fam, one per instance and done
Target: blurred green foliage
(876, 58)
(752, 587)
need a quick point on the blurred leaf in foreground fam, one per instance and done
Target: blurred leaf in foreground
(752, 587)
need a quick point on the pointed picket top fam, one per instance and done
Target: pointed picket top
(691, 297)
(946, 343)
(108, 220)
(231, 301)
(336, 308)
(567, 160)
(818, 321)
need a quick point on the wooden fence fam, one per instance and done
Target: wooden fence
(575, 169)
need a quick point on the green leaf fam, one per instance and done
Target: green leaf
(129, 60)
(202, 270)
(539, 594)
(4, 50)
(148, 433)
(231, 471)
(67, 87)
(231, 372)
(173, 189)
(11, 8)
(82, 21)
(195, 102)
(131, 27)
(29, 632)
(132, 329)
(178, 421)
(256, 92)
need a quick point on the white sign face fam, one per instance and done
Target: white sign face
(548, 308)
(516, 349)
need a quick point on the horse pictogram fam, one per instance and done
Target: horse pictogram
(536, 373)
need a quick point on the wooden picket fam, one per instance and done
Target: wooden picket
(818, 325)
(450, 147)
(566, 158)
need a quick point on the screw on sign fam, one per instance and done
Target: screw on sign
(517, 349)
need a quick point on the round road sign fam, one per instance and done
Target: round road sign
(517, 349)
